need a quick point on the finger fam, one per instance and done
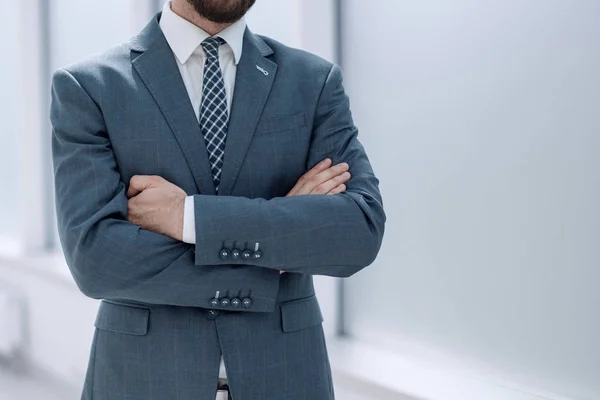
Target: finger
(330, 173)
(341, 188)
(139, 183)
(323, 177)
(322, 166)
(331, 184)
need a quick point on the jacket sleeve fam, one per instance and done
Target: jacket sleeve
(335, 235)
(108, 256)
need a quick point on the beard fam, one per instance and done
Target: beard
(222, 11)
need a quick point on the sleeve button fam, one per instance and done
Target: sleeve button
(224, 254)
(247, 302)
(247, 255)
(235, 254)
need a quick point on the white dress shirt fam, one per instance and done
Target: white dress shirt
(185, 40)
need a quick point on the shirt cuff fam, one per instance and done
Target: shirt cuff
(189, 221)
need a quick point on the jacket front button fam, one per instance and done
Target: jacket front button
(224, 254)
(246, 302)
(213, 314)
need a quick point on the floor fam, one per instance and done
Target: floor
(17, 387)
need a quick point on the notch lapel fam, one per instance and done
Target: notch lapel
(158, 70)
(254, 79)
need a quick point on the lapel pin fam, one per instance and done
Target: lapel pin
(264, 71)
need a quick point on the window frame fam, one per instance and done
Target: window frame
(30, 237)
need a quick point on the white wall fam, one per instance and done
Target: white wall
(481, 118)
(267, 18)
(79, 28)
(305, 24)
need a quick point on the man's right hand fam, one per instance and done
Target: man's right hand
(322, 179)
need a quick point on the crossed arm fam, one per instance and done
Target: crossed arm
(111, 257)
(158, 205)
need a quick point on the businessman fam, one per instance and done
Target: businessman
(203, 175)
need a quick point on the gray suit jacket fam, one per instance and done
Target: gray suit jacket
(159, 331)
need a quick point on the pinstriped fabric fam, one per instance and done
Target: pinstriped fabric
(155, 339)
(268, 360)
(176, 359)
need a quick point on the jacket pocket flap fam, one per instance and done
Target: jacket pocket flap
(280, 124)
(124, 319)
(300, 314)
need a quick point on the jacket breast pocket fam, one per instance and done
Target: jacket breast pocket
(119, 318)
(300, 314)
(280, 124)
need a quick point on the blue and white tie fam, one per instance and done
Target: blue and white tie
(214, 116)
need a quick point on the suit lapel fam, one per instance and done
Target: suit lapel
(158, 70)
(153, 60)
(254, 78)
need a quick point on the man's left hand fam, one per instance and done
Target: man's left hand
(156, 205)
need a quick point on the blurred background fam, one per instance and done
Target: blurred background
(482, 121)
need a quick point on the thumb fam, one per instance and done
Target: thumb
(138, 184)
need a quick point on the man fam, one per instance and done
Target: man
(203, 175)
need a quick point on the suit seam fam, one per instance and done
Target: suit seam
(299, 299)
(84, 90)
(320, 96)
(93, 364)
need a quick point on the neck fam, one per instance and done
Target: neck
(186, 11)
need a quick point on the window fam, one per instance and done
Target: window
(10, 102)
(481, 121)
(80, 29)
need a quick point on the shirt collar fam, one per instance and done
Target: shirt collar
(184, 37)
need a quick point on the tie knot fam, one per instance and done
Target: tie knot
(211, 46)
